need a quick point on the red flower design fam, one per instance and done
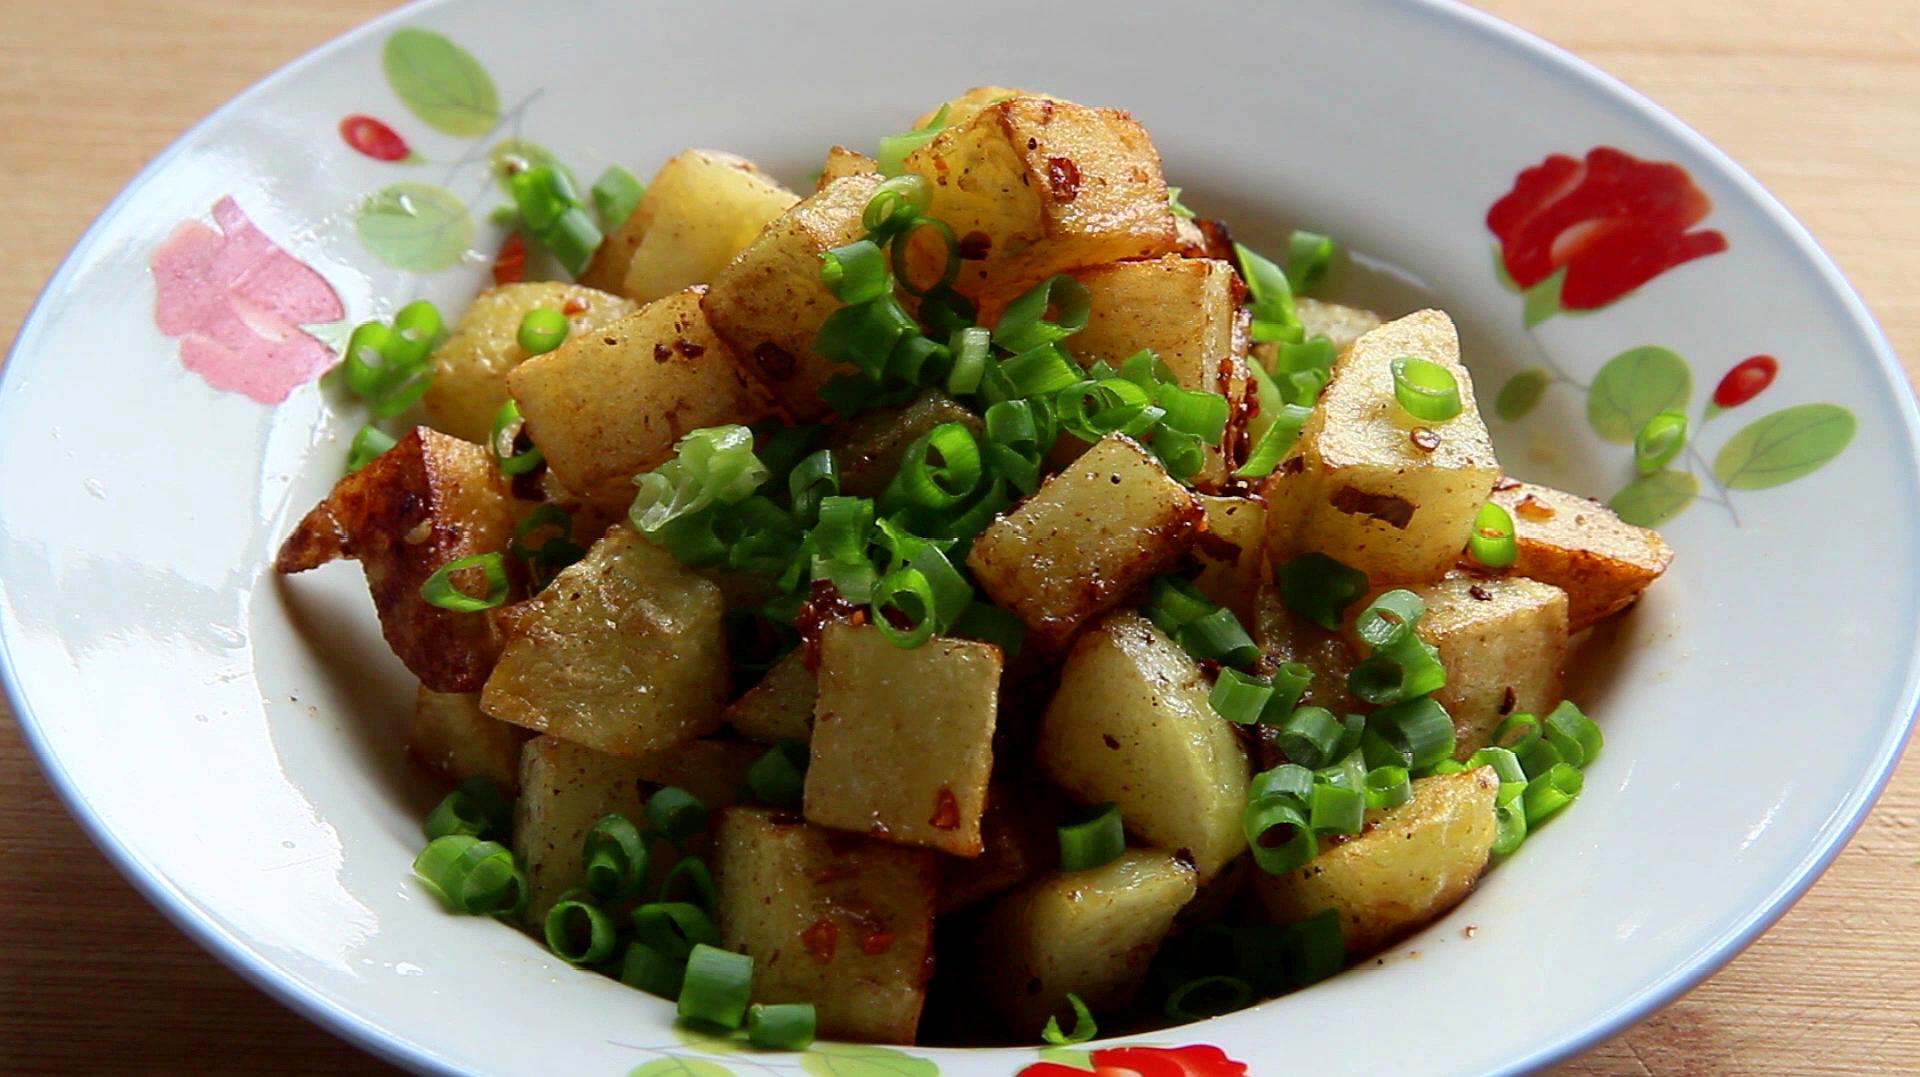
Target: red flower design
(1745, 381)
(1198, 1060)
(374, 138)
(1613, 222)
(237, 301)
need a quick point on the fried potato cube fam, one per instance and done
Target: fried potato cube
(830, 918)
(869, 447)
(1600, 561)
(1130, 723)
(1232, 552)
(604, 407)
(968, 105)
(1087, 933)
(623, 652)
(452, 737)
(841, 163)
(1417, 861)
(1341, 324)
(1357, 486)
(428, 501)
(1503, 642)
(470, 367)
(780, 707)
(1286, 637)
(1092, 533)
(903, 738)
(702, 208)
(1036, 186)
(769, 302)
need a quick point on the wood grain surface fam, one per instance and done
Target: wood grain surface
(1820, 99)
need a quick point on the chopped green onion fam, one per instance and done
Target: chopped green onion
(1659, 441)
(1319, 588)
(856, 272)
(1409, 670)
(416, 330)
(472, 876)
(1238, 697)
(441, 591)
(1574, 735)
(1523, 727)
(676, 813)
(1272, 296)
(1425, 389)
(1290, 683)
(697, 877)
(555, 553)
(1309, 254)
(673, 928)
(845, 528)
(1024, 325)
(368, 443)
(476, 807)
(1315, 948)
(903, 607)
(1182, 454)
(815, 478)
(542, 330)
(1491, 542)
(1219, 637)
(717, 986)
(783, 445)
(970, 346)
(896, 203)
(646, 969)
(616, 194)
(1097, 839)
(1310, 735)
(781, 1026)
(615, 858)
(864, 334)
(948, 483)
(1095, 408)
(1271, 445)
(1337, 809)
(1504, 763)
(1552, 791)
(1173, 602)
(1421, 728)
(1510, 824)
(1083, 1027)
(505, 437)
(1285, 780)
(1042, 370)
(894, 149)
(711, 465)
(1173, 203)
(778, 777)
(1201, 413)
(1388, 620)
(551, 211)
(580, 932)
(1303, 368)
(949, 268)
(945, 312)
(1208, 996)
(1537, 755)
(1278, 834)
(1389, 786)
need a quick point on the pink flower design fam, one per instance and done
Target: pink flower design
(1197, 1060)
(236, 301)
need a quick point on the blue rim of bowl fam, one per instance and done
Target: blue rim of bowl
(312, 1003)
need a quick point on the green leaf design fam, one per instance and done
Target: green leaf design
(415, 226)
(863, 1060)
(510, 155)
(1633, 387)
(1521, 392)
(680, 1066)
(441, 82)
(709, 1037)
(1652, 500)
(1068, 1056)
(1500, 270)
(1542, 301)
(1783, 446)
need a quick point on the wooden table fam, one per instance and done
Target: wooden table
(1820, 99)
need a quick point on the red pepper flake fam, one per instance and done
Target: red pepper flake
(1480, 594)
(510, 265)
(575, 304)
(975, 246)
(1063, 178)
(1424, 439)
(1508, 701)
(1506, 483)
(662, 353)
(822, 607)
(946, 810)
(689, 349)
(1533, 508)
(821, 939)
(874, 943)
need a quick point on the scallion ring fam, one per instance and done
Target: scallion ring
(1659, 441)
(441, 591)
(781, 1026)
(856, 272)
(903, 243)
(580, 932)
(896, 203)
(717, 986)
(1425, 389)
(541, 331)
(673, 928)
(614, 858)
(1492, 542)
(1097, 839)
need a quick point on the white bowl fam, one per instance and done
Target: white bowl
(230, 740)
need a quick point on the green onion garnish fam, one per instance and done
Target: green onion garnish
(504, 438)
(676, 813)
(1420, 729)
(903, 607)
(476, 807)
(1273, 443)
(856, 272)
(1239, 697)
(472, 876)
(1285, 780)
(1337, 809)
(939, 470)
(779, 777)
(1388, 620)
(1315, 948)
(689, 873)
(417, 328)
(712, 465)
(812, 480)
(1388, 787)
(1425, 389)
(1083, 1027)
(1272, 307)
(971, 346)
(781, 1026)
(896, 203)
(1290, 683)
(1410, 668)
(615, 196)
(717, 986)
(989, 623)
(894, 149)
(1208, 996)
(580, 932)
(551, 212)
(1660, 441)
(1219, 637)
(1310, 735)
(644, 968)
(1174, 204)
(1278, 834)
(1552, 791)
(1041, 370)
(1098, 839)
(1510, 820)
(556, 553)
(1504, 763)
(615, 857)
(441, 591)
(1574, 735)
(542, 330)
(1491, 542)
(1319, 588)
(949, 267)
(1309, 254)
(368, 443)
(1024, 325)
(672, 929)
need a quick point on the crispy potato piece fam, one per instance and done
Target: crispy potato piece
(968, 105)
(869, 447)
(1357, 487)
(452, 737)
(769, 302)
(1419, 860)
(841, 163)
(623, 652)
(1284, 637)
(1341, 324)
(1091, 534)
(1130, 724)
(829, 918)
(1232, 553)
(1020, 839)
(903, 738)
(428, 501)
(1037, 186)
(780, 707)
(604, 407)
(1088, 933)
(1579, 545)
(470, 367)
(700, 210)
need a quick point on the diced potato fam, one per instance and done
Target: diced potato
(780, 707)
(1285, 637)
(428, 501)
(843, 162)
(1232, 553)
(1356, 487)
(829, 918)
(1503, 642)
(1039, 186)
(1341, 324)
(702, 208)
(968, 105)
(1087, 933)
(1020, 840)
(769, 302)
(470, 367)
(1600, 561)
(1130, 724)
(903, 738)
(870, 446)
(452, 737)
(624, 652)
(1092, 534)
(605, 407)
(1419, 860)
